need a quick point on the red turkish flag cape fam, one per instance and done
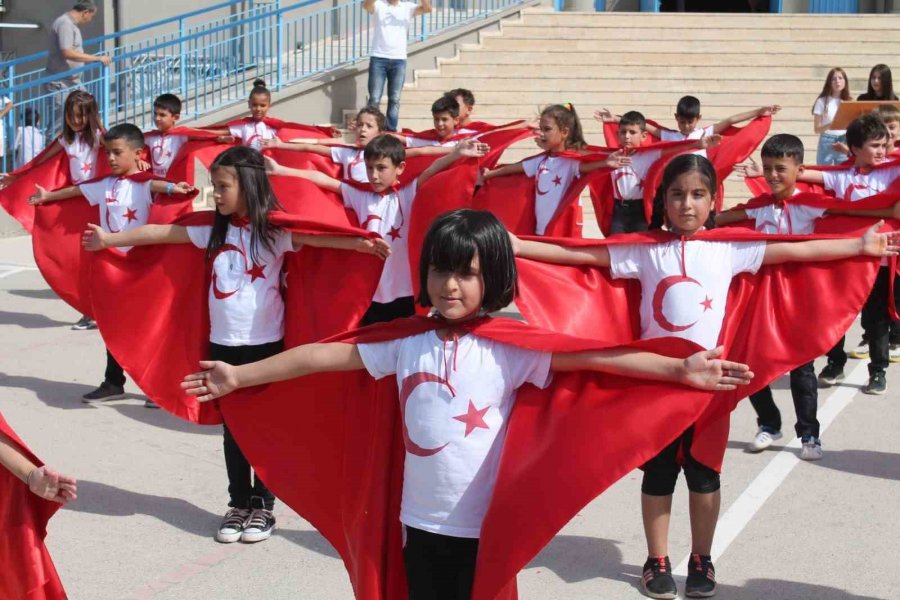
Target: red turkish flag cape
(775, 319)
(326, 291)
(330, 446)
(512, 198)
(201, 144)
(56, 239)
(50, 175)
(28, 570)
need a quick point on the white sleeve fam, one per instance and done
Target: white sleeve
(891, 175)
(752, 212)
(709, 130)
(642, 161)
(408, 192)
(355, 199)
(414, 142)
(527, 366)
(200, 235)
(625, 260)
(819, 106)
(834, 181)
(747, 257)
(339, 154)
(284, 242)
(94, 192)
(380, 359)
(810, 212)
(412, 9)
(530, 165)
(668, 135)
(237, 131)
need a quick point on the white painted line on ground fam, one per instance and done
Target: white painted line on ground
(743, 509)
(7, 270)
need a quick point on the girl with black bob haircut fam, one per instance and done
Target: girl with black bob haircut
(454, 239)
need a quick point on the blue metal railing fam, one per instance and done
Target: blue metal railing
(212, 64)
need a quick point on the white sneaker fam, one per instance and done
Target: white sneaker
(861, 351)
(811, 449)
(763, 440)
(233, 525)
(894, 353)
(259, 526)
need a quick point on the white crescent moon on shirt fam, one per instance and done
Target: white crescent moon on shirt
(217, 293)
(660, 295)
(409, 384)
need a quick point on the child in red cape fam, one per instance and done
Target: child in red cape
(554, 175)
(369, 123)
(457, 385)
(30, 493)
(684, 286)
(246, 308)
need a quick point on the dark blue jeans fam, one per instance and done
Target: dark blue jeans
(392, 70)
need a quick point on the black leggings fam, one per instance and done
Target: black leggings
(379, 312)
(240, 489)
(439, 567)
(661, 471)
(114, 374)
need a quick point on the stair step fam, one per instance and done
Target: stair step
(463, 68)
(677, 84)
(601, 31)
(699, 21)
(534, 94)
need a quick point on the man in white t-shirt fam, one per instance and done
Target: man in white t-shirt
(388, 60)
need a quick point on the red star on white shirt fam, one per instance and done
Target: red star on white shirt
(131, 214)
(474, 418)
(256, 272)
(86, 167)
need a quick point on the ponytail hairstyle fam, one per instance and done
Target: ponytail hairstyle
(678, 166)
(86, 104)
(253, 185)
(260, 89)
(565, 117)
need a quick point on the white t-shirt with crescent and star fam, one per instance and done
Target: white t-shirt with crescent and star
(628, 181)
(689, 304)
(387, 215)
(252, 133)
(353, 162)
(673, 135)
(82, 157)
(454, 433)
(164, 150)
(852, 184)
(552, 177)
(797, 219)
(245, 303)
(124, 204)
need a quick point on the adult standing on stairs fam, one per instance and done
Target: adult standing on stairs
(388, 57)
(835, 91)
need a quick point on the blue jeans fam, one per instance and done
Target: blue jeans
(825, 155)
(394, 71)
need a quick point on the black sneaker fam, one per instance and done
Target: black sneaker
(831, 375)
(232, 526)
(701, 579)
(106, 391)
(877, 384)
(657, 581)
(261, 523)
(84, 323)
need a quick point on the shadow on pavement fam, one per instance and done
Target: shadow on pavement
(102, 499)
(160, 418)
(871, 463)
(57, 394)
(577, 558)
(28, 320)
(779, 589)
(311, 540)
(44, 294)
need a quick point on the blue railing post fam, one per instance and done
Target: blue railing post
(599, 5)
(104, 94)
(182, 60)
(423, 24)
(558, 5)
(279, 46)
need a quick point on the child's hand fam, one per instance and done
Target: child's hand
(534, 124)
(617, 160)
(765, 111)
(183, 188)
(376, 246)
(39, 196)
(273, 143)
(749, 169)
(94, 238)
(481, 177)
(225, 139)
(604, 115)
(215, 381)
(708, 141)
(46, 483)
(470, 147)
(841, 147)
(896, 213)
(516, 243)
(272, 167)
(352, 125)
(142, 164)
(880, 244)
(706, 371)
(6, 179)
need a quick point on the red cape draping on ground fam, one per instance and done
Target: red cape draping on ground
(28, 571)
(330, 446)
(775, 320)
(512, 199)
(50, 175)
(56, 240)
(759, 187)
(327, 291)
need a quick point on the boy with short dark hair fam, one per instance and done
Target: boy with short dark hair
(445, 115)
(466, 100)
(385, 208)
(124, 199)
(165, 143)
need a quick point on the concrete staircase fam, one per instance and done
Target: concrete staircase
(646, 62)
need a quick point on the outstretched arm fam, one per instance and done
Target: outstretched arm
(95, 238)
(871, 243)
(465, 148)
(320, 179)
(42, 196)
(707, 141)
(560, 255)
(219, 378)
(376, 246)
(703, 370)
(745, 116)
(158, 186)
(616, 160)
(735, 215)
(43, 482)
(296, 146)
(513, 169)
